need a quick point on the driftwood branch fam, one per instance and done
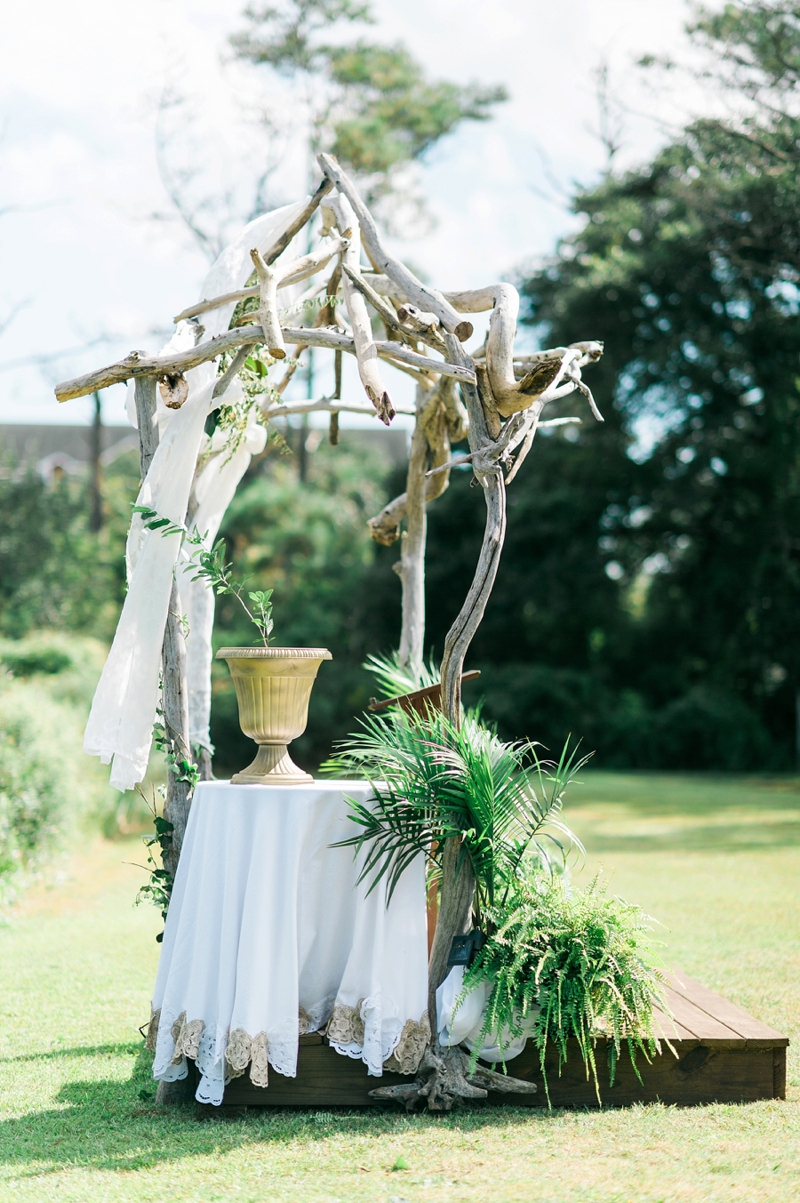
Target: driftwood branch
(415, 291)
(366, 351)
(136, 364)
(321, 405)
(280, 245)
(442, 420)
(294, 272)
(268, 306)
(412, 549)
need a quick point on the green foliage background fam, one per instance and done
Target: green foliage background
(648, 596)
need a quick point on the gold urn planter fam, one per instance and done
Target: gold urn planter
(273, 687)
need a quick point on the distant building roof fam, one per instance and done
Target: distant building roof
(64, 448)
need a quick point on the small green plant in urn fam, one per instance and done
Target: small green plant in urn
(273, 684)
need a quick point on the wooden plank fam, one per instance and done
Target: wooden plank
(752, 1030)
(699, 1074)
(704, 1027)
(721, 1054)
(667, 1028)
(779, 1073)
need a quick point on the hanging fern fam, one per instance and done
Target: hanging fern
(581, 962)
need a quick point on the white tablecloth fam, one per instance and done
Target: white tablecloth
(268, 935)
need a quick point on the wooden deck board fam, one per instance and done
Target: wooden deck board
(700, 1024)
(721, 1054)
(756, 1033)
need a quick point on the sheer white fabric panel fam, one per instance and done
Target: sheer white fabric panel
(120, 724)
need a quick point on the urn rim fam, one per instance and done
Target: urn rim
(273, 653)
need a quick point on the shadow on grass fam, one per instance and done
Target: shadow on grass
(115, 1126)
(731, 838)
(682, 813)
(56, 1054)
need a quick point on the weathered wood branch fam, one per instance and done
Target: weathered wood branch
(412, 546)
(384, 528)
(279, 246)
(442, 419)
(231, 372)
(415, 291)
(366, 351)
(136, 365)
(268, 306)
(322, 405)
(293, 272)
(145, 399)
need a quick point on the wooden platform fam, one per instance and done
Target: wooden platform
(723, 1055)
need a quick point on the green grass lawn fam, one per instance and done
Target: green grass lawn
(716, 860)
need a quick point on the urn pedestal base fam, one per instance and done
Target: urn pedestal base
(272, 766)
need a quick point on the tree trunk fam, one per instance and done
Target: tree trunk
(412, 553)
(174, 690)
(458, 889)
(174, 694)
(442, 1081)
(469, 618)
(96, 516)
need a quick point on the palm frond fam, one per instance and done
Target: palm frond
(432, 780)
(395, 678)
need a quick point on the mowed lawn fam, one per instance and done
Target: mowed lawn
(716, 860)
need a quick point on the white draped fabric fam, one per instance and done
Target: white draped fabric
(120, 724)
(268, 928)
(466, 1024)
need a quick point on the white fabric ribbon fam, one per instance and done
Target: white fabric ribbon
(120, 724)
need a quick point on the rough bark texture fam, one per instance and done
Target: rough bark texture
(366, 351)
(415, 291)
(412, 555)
(468, 620)
(176, 722)
(454, 919)
(146, 403)
(96, 516)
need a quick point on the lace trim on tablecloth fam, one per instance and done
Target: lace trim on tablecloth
(358, 1032)
(414, 1039)
(363, 1033)
(222, 1055)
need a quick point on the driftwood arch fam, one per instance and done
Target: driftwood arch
(493, 396)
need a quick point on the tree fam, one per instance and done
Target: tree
(369, 104)
(689, 269)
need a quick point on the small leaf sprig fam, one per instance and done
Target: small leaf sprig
(211, 566)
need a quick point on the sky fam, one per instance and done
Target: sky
(89, 273)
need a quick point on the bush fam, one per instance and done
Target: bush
(49, 790)
(54, 571)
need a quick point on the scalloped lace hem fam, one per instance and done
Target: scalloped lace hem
(221, 1055)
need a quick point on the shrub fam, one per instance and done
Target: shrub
(49, 790)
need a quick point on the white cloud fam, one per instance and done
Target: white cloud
(78, 84)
